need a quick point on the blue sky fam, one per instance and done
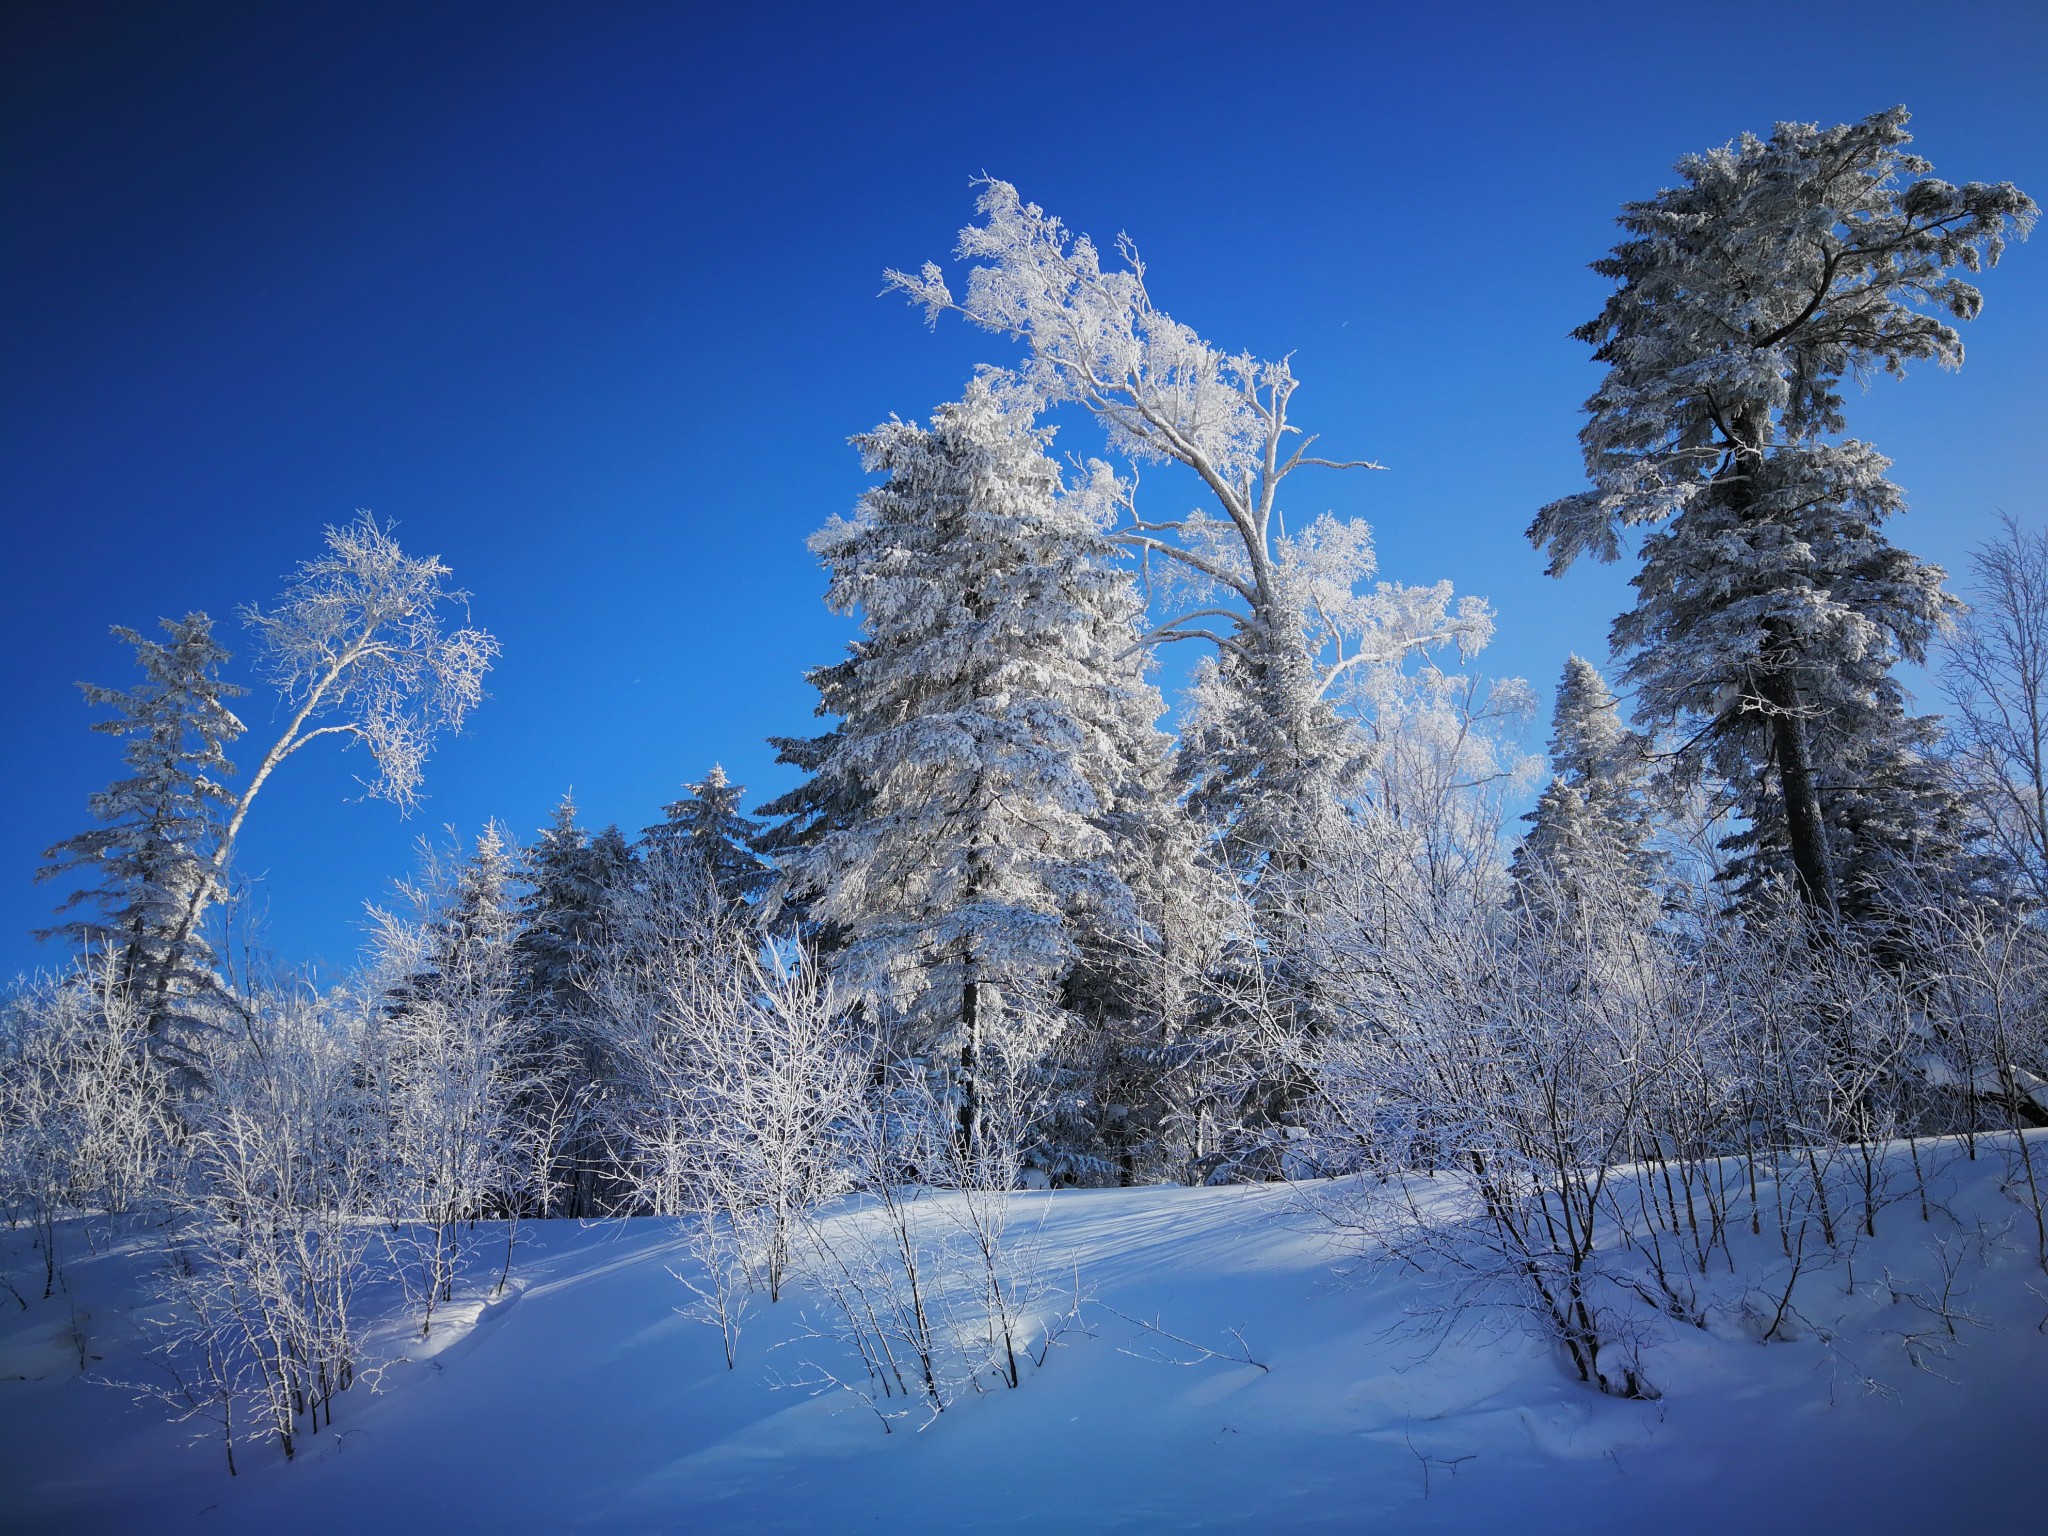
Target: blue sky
(584, 297)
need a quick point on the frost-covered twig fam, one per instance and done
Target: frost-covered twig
(1242, 1355)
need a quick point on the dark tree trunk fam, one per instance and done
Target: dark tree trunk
(1806, 831)
(1790, 729)
(970, 1038)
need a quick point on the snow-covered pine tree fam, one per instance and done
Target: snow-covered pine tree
(707, 827)
(158, 827)
(1268, 806)
(827, 799)
(567, 916)
(1901, 826)
(995, 720)
(1148, 1002)
(1770, 607)
(569, 876)
(1590, 831)
(462, 928)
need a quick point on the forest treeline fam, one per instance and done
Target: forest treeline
(1008, 930)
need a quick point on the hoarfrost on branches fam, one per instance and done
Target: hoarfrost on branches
(359, 641)
(1771, 607)
(996, 726)
(1286, 609)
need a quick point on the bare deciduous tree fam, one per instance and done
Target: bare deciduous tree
(270, 1242)
(1995, 668)
(86, 1120)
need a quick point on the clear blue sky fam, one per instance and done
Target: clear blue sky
(584, 296)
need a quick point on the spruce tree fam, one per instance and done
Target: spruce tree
(706, 827)
(568, 917)
(1588, 838)
(566, 909)
(1771, 609)
(158, 827)
(471, 928)
(962, 832)
(827, 799)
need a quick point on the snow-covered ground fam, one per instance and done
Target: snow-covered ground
(582, 1401)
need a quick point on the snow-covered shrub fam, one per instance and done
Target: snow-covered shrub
(86, 1122)
(922, 1279)
(1495, 1087)
(1581, 1117)
(272, 1238)
(738, 1074)
(780, 1071)
(1983, 1037)
(442, 1052)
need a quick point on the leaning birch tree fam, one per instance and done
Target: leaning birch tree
(361, 648)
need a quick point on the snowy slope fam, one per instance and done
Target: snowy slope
(583, 1402)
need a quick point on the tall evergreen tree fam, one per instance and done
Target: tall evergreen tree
(143, 864)
(995, 718)
(1900, 823)
(1770, 607)
(827, 799)
(707, 827)
(568, 916)
(570, 877)
(1589, 835)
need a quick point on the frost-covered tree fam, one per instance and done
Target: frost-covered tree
(1444, 758)
(1590, 831)
(271, 1234)
(1901, 827)
(1285, 611)
(669, 915)
(1995, 667)
(772, 1073)
(994, 719)
(86, 1110)
(159, 827)
(680, 922)
(1771, 609)
(570, 877)
(707, 827)
(569, 915)
(359, 648)
(828, 799)
(450, 1063)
